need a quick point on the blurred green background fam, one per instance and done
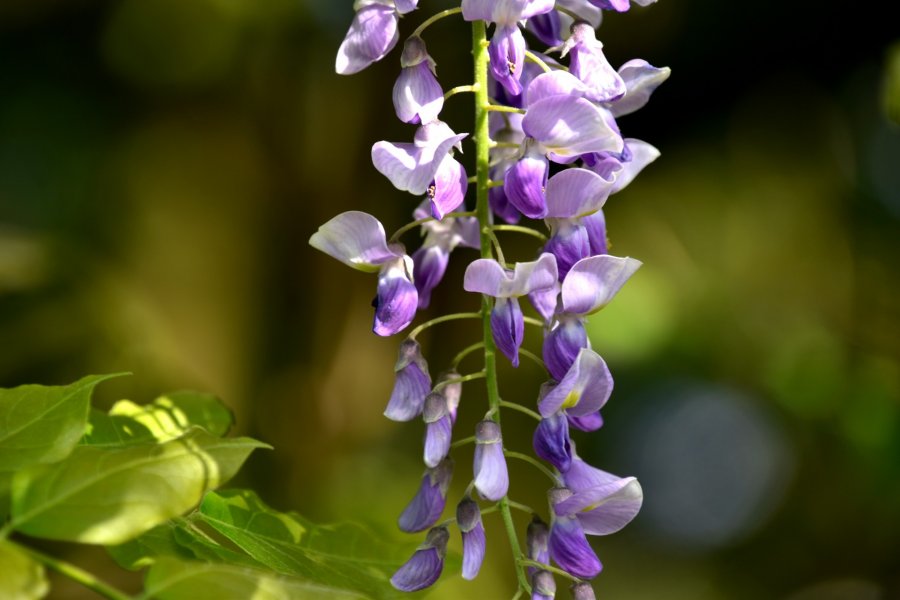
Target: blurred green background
(164, 162)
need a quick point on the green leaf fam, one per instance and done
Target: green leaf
(108, 495)
(21, 578)
(345, 556)
(166, 418)
(42, 424)
(170, 579)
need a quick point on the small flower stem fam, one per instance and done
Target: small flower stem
(502, 108)
(533, 462)
(434, 19)
(506, 145)
(462, 442)
(533, 357)
(482, 136)
(539, 565)
(535, 322)
(88, 580)
(520, 229)
(522, 507)
(424, 220)
(496, 243)
(540, 62)
(463, 379)
(491, 184)
(575, 16)
(520, 408)
(465, 352)
(442, 319)
(460, 89)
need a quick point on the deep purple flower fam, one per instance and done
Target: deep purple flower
(425, 565)
(438, 429)
(426, 166)
(468, 517)
(569, 547)
(526, 180)
(488, 277)
(588, 64)
(418, 97)
(412, 383)
(543, 586)
(562, 345)
(591, 422)
(551, 441)
(357, 239)
(426, 507)
(372, 34)
(491, 476)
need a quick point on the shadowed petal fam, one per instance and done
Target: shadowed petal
(489, 466)
(425, 565)
(551, 441)
(507, 55)
(584, 390)
(607, 508)
(544, 301)
(543, 586)
(554, 83)
(508, 328)
(525, 181)
(397, 299)
(641, 79)
(426, 507)
(562, 345)
(595, 225)
(588, 64)
(417, 95)
(450, 183)
(429, 266)
(642, 154)
(570, 549)
(568, 242)
(438, 429)
(582, 591)
(372, 34)
(411, 384)
(576, 193)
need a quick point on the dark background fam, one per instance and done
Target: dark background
(164, 162)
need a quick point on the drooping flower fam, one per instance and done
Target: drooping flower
(425, 565)
(468, 517)
(582, 591)
(426, 507)
(588, 64)
(451, 392)
(537, 540)
(603, 502)
(584, 390)
(412, 383)
(488, 277)
(372, 34)
(641, 79)
(551, 441)
(569, 547)
(441, 238)
(357, 239)
(543, 586)
(426, 166)
(438, 429)
(418, 97)
(489, 466)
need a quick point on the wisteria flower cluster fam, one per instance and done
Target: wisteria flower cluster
(548, 153)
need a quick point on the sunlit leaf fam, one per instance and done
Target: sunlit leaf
(108, 495)
(166, 418)
(170, 579)
(41, 424)
(21, 578)
(345, 556)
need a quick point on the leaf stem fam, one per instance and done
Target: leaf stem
(502, 108)
(521, 409)
(482, 136)
(535, 322)
(434, 19)
(462, 442)
(521, 229)
(533, 357)
(533, 462)
(88, 580)
(463, 379)
(460, 89)
(442, 319)
(539, 565)
(465, 352)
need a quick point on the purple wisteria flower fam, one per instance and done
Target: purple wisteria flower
(507, 49)
(589, 286)
(641, 79)
(438, 429)
(603, 502)
(491, 475)
(543, 586)
(488, 277)
(357, 239)
(551, 441)
(425, 565)
(468, 517)
(412, 383)
(569, 547)
(588, 64)
(619, 5)
(426, 166)
(537, 543)
(418, 97)
(426, 507)
(441, 238)
(582, 591)
(585, 388)
(372, 34)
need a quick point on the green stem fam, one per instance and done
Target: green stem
(520, 408)
(434, 19)
(534, 463)
(535, 322)
(533, 563)
(463, 379)
(520, 229)
(532, 357)
(496, 244)
(537, 60)
(482, 137)
(88, 580)
(443, 319)
(459, 90)
(462, 442)
(465, 352)
(502, 108)
(522, 507)
(424, 220)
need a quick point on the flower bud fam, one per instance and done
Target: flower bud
(491, 476)
(425, 566)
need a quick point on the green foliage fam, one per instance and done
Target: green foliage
(125, 478)
(21, 578)
(891, 88)
(41, 424)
